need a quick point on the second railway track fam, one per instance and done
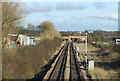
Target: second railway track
(74, 71)
(58, 70)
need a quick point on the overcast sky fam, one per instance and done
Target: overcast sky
(73, 16)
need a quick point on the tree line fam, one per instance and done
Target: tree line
(12, 16)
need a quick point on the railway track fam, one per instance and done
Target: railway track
(65, 61)
(74, 71)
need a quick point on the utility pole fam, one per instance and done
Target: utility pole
(86, 50)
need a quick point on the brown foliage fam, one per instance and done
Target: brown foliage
(48, 29)
(116, 48)
(27, 61)
(31, 26)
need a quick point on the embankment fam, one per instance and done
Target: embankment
(25, 62)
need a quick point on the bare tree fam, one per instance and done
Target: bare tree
(11, 17)
(31, 26)
(48, 30)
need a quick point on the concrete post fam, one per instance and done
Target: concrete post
(86, 51)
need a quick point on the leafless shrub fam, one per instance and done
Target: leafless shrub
(100, 73)
(116, 48)
(11, 17)
(48, 30)
(27, 61)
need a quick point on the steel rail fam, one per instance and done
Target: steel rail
(60, 52)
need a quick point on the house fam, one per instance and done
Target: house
(23, 40)
(14, 40)
(34, 39)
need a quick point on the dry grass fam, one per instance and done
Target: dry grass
(101, 73)
(107, 63)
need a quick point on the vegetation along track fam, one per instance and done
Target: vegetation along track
(58, 71)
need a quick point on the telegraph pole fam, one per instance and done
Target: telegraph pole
(86, 50)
